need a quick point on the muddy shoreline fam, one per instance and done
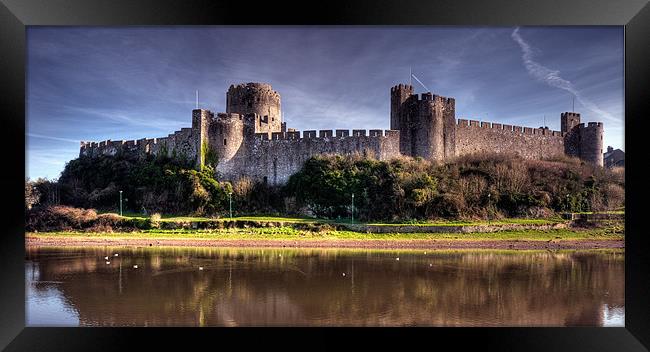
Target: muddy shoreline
(336, 243)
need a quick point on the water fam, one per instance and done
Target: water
(316, 287)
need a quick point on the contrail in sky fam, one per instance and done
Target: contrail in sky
(552, 77)
(425, 87)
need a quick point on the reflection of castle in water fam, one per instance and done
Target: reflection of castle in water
(287, 287)
(251, 140)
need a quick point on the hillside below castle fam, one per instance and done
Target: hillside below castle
(251, 140)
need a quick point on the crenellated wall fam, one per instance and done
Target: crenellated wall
(274, 158)
(180, 144)
(532, 143)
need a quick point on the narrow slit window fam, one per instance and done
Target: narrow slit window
(224, 141)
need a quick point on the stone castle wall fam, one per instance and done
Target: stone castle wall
(274, 159)
(531, 143)
(180, 144)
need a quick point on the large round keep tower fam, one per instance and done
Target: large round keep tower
(256, 98)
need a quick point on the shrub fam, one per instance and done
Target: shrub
(58, 217)
(155, 220)
(65, 218)
(479, 185)
(149, 184)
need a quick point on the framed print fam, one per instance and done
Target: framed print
(374, 174)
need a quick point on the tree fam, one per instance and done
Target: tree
(32, 194)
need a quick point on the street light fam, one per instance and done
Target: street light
(120, 203)
(230, 201)
(489, 195)
(352, 208)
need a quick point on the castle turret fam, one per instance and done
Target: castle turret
(591, 143)
(226, 136)
(398, 96)
(427, 125)
(584, 142)
(256, 98)
(568, 120)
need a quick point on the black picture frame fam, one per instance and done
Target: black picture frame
(15, 15)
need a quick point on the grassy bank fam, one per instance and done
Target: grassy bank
(183, 218)
(290, 233)
(306, 220)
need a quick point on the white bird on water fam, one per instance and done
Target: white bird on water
(200, 268)
(106, 258)
(108, 263)
(115, 255)
(343, 274)
(397, 258)
(135, 267)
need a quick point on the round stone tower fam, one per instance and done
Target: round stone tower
(226, 136)
(256, 98)
(591, 143)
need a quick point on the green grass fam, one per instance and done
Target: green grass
(508, 221)
(179, 218)
(602, 212)
(289, 233)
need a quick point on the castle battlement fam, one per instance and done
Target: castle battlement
(325, 134)
(400, 87)
(464, 123)
(251, 140)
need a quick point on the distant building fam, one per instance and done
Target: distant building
(614, 157)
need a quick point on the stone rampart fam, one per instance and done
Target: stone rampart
(181, 144)
(533, 143)
(275, 157)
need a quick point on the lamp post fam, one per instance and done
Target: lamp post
(120, 203)
(230, 201)
(489, 197)
(352, 209)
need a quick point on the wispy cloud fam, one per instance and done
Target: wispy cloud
(36, 135)
(553, 78)
(128, 118)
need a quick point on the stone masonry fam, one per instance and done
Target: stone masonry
(251, 140)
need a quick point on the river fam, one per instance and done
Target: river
(322, 287)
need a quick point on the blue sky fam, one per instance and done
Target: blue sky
(98, 83)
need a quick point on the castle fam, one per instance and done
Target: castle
(251, 140)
